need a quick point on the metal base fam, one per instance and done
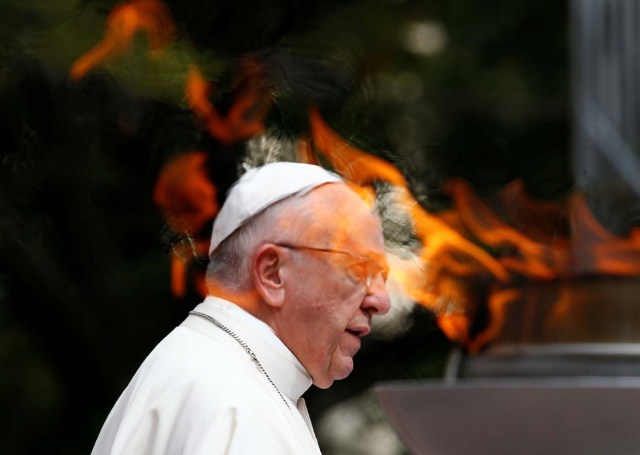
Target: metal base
(560, 416)
(552, 360)
(562, 377)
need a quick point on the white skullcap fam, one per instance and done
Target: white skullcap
(260, 187)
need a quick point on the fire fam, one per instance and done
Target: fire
(252, 102)
(183, 191)
(599, 251)
(245, 118)
(440, 243)
(533, 259)
(498, 302)
(187, 198)
(472, 242)
(355, 165)
(182, 256)
(151, 17)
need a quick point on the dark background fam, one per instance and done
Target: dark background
(84, 252)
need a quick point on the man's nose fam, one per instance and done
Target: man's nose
(377, 299)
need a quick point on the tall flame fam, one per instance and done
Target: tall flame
(458, 247)
(151, 17)
(440, 243)
(187, 198)
(183, 191)
(471, 241)
(597, 249)
(245, 118)
(532, 259)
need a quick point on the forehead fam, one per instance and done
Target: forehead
(340, 219)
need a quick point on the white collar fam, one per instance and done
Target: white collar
(281, 365)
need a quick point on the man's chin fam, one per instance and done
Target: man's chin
(339, 369)
(323, 385)
(343, 369)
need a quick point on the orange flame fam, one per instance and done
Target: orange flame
(182, 256)
(532, 259)
(471, 240)
(187, 199)
(440, 243)
(498, 302)
(245, 118)
(152, 17)
(184, 193)
(599, 251)
(445, 254)
(353, 164)
(457, 246)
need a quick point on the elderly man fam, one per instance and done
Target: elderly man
(297, 270)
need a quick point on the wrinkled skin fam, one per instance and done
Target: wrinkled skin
(326, 311)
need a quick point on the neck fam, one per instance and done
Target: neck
(248, 300)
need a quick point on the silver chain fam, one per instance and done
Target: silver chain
(244, 345)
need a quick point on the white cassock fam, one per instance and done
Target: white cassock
(199, 392)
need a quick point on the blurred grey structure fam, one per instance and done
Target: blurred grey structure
(558, 417)
(606, 100)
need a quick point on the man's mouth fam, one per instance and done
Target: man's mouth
(358, 331)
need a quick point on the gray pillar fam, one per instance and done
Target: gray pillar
(605, 76)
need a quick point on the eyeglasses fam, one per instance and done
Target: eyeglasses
(362, 269)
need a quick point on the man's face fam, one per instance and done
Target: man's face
(329, 305)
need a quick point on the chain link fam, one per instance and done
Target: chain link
(244, 345)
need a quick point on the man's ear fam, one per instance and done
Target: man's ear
(267, 274)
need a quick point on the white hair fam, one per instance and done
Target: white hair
(230, 262)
